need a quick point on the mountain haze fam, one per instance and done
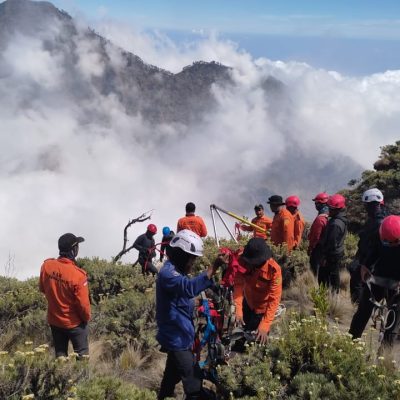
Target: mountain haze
(116, 135)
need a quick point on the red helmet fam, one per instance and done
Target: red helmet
(292, 201)
(152, 228)
(389, 231)
(336, 201)
(321, 198)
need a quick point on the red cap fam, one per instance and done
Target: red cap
(389, 230)
(322, 197)
(292, 201)
(337, 201)
(152, 228)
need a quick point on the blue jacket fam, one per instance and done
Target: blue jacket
(175, 306)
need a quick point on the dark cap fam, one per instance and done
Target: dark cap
(256, 252)
(67, 241)
(258, 207)
(275, 199)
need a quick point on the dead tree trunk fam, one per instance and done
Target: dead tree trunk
(125, 250)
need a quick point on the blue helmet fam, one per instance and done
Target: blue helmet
(166, 231)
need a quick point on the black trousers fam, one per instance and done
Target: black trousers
(181, 366)
(148, 268)
(250, 318)
(329, 272)
(315, 260)
(78, 337)
(356, 284)
(365, 308)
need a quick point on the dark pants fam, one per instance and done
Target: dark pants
(250, 318)
(356, 284)
(78, 337)
(315, 260)
(365, 308)
(328, 273)
(148, 267)
(181, 366)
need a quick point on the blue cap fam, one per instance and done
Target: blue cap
(166, 231)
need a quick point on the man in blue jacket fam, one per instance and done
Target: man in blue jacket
(175, 293)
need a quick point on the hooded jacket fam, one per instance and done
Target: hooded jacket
(175, 306)
(332, 241)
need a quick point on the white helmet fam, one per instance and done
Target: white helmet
(371, 195)
(189, 242)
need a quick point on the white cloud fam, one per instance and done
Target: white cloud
(88, 167)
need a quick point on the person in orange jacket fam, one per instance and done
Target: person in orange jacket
(65, 286)
(292, 204)
(257, 292)
(282, 230)
(260, 220)
(192, 222)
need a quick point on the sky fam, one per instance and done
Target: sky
(356, 37)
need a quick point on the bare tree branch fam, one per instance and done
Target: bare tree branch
(141, 218)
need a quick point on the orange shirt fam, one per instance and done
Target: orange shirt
(66, 289)
(299, 225)
(262, 290)
(194, 223)
(263, 222)
(282, 230)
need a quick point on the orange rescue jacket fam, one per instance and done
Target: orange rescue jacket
(66, 289)
(262, 290)
(194, 223)
(282, 230)
(299, 225)
(263, 222)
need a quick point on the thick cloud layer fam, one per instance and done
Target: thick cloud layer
(88, 167)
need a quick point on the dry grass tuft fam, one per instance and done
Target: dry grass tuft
(132, 358)
(298, 294)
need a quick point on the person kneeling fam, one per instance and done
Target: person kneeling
(257, 292)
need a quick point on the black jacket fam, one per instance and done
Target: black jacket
(143, 243)
(164, 243)
(384, 262)
(332, 242)
(369, 235)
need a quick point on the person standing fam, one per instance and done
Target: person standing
(382, 266)
(65, 286)
(260, 220)
(282, 230)
(292, 205)
(175, 293)
(333, 243)
(317, 228)
(368, 237)
(192, 222)
(167, 237)
(146, 246)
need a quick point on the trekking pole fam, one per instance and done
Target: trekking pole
(214, 226)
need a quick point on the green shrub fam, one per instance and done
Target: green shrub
(111, 388)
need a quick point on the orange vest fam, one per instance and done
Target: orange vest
(194, 223)
(282, 230)
(66, 289)
(298, 228)
(262, 290)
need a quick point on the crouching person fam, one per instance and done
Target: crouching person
(175, 293)
(258, 291)
(66, 289)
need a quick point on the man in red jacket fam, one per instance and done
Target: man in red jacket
(316, 230)
(65, 286)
